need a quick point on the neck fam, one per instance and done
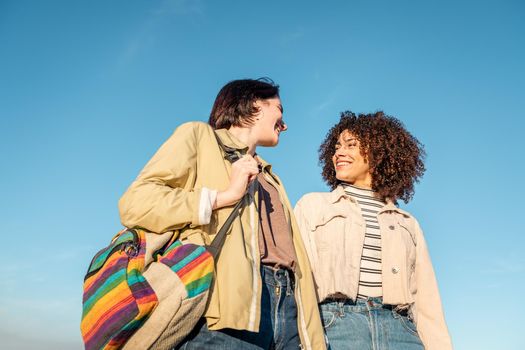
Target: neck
(358, 185)
(245, 136)
(364, 182)
(364, 185)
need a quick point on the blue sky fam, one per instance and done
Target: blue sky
(89, 91)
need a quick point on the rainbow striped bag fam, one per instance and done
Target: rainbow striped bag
(147, 290)
(144, 291)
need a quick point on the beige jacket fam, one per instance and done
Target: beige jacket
(333, 231)
(170, 194)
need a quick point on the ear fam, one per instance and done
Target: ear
(258, 105)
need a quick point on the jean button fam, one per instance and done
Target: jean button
(395, 270)
(391, 227)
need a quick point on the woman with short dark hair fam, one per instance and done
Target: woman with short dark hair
(375, 282)
(262, 295)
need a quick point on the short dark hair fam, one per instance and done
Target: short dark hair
(395, 157)
(234, 105)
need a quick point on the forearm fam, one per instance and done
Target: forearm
(159, 208)
(224, 199)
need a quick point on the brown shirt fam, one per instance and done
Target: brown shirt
(275, 241)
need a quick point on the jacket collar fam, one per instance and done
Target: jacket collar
(339, 192)
(267, 168)
(390, 206)
(231, 141)
(235, 144)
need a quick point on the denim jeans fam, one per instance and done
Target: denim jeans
(367, 325)
(278, 327)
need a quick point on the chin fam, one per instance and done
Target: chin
(343, 178)
(269, 143)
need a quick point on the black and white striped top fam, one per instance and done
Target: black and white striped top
(370, 279)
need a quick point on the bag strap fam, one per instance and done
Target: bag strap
(232, 155)
(216, 245)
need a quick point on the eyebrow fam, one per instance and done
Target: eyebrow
(346, 140)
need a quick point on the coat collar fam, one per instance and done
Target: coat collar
(267, 168)
(390, 206)
(236, 145)
(231, 141)
(338, 193)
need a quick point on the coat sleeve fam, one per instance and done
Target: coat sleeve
(429, 315)
(162, 198)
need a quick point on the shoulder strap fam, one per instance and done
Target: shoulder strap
(216, 245)
(232, 155)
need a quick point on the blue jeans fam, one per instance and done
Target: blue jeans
(278, 327)
(367, 325)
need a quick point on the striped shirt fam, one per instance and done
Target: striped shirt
(370, 279)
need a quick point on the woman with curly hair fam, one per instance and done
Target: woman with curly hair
(375, 282)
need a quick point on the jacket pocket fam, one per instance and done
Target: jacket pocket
(324, 218)
(329, 230)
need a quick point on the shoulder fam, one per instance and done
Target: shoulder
(411, 224)
(189, 137)
(403, 215)
(308, 207)
(194, 126)
(194, 130)
(313, 200)
(407, 217)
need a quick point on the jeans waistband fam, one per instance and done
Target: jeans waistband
(368, 303)
(277, 276)
(371, 301)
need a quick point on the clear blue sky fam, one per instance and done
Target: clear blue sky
(90, 89)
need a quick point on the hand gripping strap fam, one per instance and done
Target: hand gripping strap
(232, 155)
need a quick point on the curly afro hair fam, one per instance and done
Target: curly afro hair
(395, 157)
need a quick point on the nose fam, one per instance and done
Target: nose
(338, 152)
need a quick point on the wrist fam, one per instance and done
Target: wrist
(224, 199)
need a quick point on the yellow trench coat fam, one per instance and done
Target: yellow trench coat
(166, 197)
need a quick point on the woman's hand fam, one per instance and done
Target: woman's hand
(243, 172)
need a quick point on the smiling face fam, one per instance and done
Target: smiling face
(268, 122)
(349, 164)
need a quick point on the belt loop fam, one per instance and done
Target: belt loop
(278, 286)
(289, 283)
(275, 277)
